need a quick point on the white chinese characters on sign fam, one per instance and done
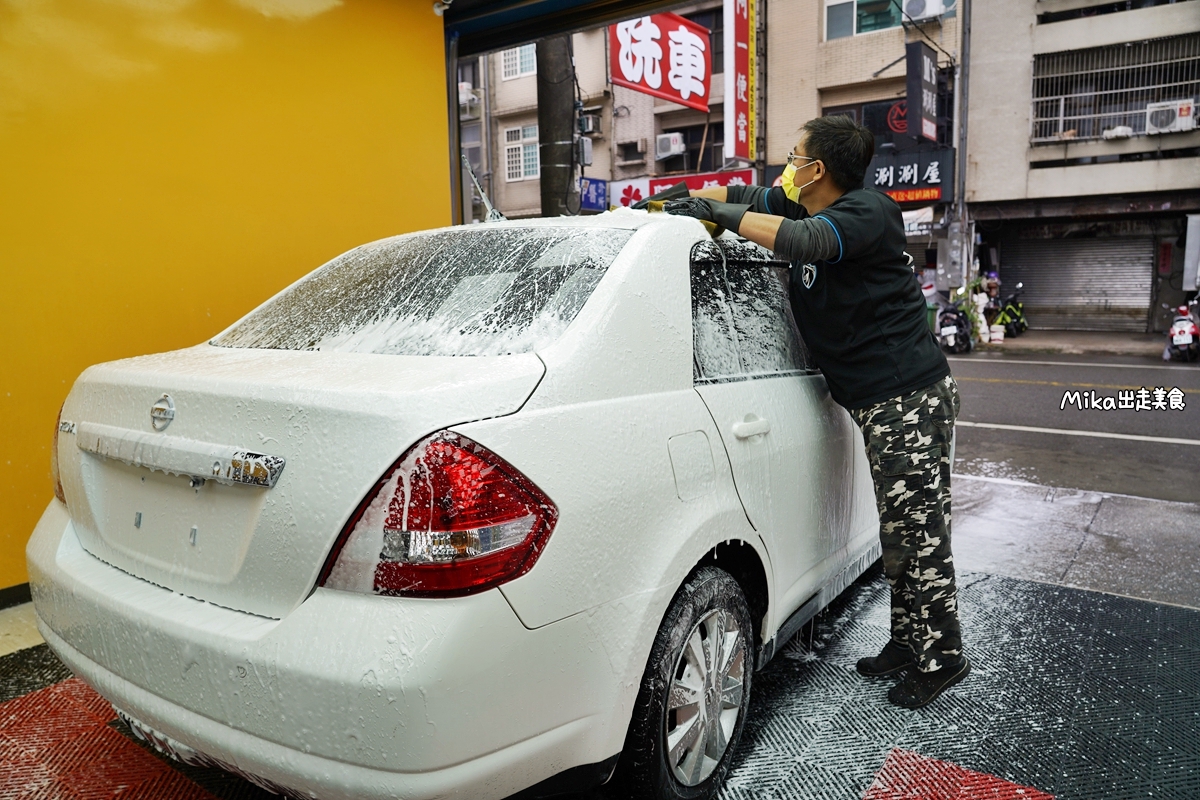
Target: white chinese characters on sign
(664, 55)
(933, 173)
(885, 176)
(641, 55)
(908, 174)
(705, 180)
(740, 78)
(687, 75)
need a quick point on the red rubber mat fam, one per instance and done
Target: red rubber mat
(1083, 695)
(57, 744)
(909, 776)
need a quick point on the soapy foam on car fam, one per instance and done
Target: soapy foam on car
(471, 291)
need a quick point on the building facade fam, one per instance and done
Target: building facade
(1084, 155)
(1082, 159)
(844, 57)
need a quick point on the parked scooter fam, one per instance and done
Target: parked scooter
(1012, 315)
(954, 327)
(1183, 337)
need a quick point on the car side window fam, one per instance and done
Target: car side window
(742, 323)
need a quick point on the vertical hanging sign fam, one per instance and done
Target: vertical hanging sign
(741, 67)
(921, 102)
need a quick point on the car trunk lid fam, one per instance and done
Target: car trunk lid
(227, 474)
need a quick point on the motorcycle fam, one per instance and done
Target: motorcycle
(1183, 337)
(1012, 315)
(954, 327)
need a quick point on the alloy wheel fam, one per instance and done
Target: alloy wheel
(705, 697)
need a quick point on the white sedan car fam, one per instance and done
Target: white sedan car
(514, 507)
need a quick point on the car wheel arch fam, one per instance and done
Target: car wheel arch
(742, 560)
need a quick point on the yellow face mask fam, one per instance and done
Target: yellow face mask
(790, 188)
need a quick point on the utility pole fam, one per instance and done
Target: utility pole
(962, 81)
(556, 125)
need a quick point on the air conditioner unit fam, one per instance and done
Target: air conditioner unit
(917, 10)
(1171, 117)
(589, 123)
(669, 144)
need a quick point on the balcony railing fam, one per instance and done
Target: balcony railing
(1081, 94)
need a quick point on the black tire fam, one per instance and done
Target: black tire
(710, 600)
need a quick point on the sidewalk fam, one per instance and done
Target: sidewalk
(1098, 541)
(1146, 345)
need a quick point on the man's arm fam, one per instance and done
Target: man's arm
(804, 240)
(718, 193)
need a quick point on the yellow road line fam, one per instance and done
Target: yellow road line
(960, 379)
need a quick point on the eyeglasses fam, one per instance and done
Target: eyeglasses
(792, 157)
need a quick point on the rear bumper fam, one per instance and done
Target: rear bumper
(350, 696)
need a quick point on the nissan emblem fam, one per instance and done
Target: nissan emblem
(162, 412)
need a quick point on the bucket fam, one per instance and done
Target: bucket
(997, 334)
(984, 335)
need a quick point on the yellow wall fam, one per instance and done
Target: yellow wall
(166, 165)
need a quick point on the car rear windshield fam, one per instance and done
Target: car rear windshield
(477, 291)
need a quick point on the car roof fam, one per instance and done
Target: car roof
(620, 218)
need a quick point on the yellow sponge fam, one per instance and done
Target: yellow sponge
(714, 230)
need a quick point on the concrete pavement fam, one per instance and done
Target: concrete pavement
(1146, 345)
(1099, 541)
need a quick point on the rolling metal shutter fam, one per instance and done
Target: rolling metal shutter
(1081, 284)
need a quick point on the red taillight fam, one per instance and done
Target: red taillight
(55, 475)
(449, 518)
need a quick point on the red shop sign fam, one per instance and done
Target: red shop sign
(705, 180)
(663, 55)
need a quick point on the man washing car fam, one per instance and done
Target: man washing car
(859, 307)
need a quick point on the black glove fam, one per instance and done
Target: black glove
(725, 215)
(674, 193)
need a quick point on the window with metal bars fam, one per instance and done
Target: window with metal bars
(1104, 92)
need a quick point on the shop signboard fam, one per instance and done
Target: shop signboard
(593, 194)
(918, 222)
(921, 103)
(625, 193)
(740, 79)
(663, 55)
(914, 176)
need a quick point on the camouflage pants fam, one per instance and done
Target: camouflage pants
(908, 444)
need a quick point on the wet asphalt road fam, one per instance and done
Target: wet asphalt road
(1028, 390)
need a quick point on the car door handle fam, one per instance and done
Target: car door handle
(751, 426)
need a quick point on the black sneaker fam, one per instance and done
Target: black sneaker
(893, 658)
(918, 689)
